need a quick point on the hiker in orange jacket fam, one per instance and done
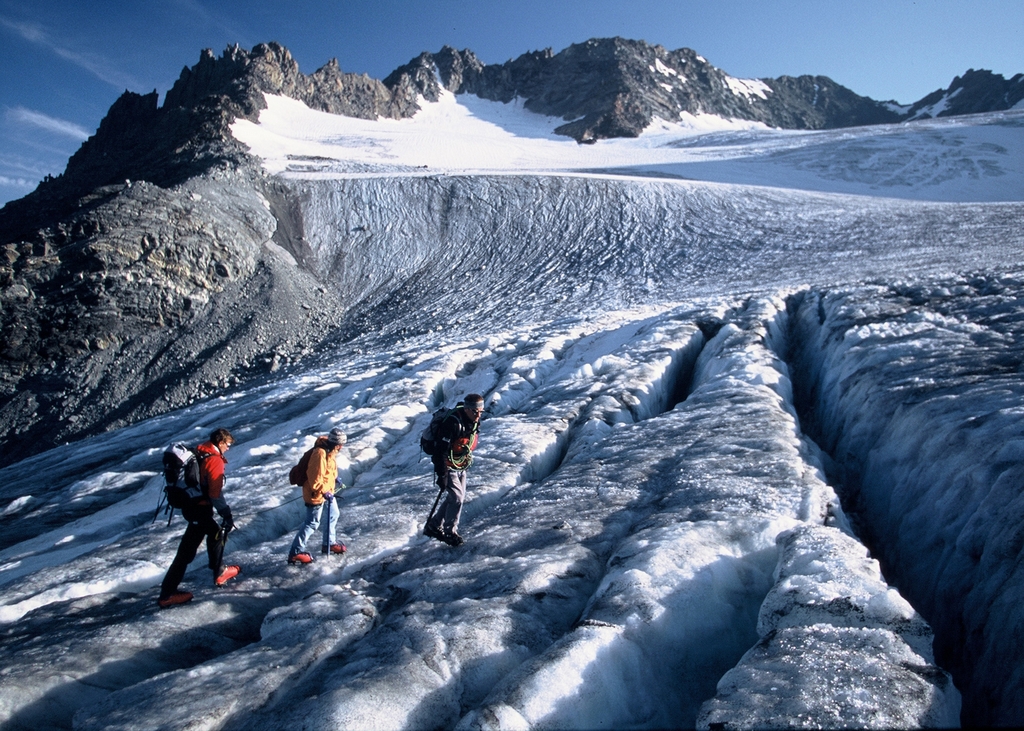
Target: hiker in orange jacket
(201, 523)
(318, 491)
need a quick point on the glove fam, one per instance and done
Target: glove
(329, 496)
(228, 523)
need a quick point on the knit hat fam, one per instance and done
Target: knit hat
(336, 437)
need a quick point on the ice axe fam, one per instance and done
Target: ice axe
(222, 535)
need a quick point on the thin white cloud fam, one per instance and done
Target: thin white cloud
(97, 65)
(18, 182)
(199, 12)
(50, 124)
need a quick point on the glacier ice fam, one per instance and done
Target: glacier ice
(746, 449)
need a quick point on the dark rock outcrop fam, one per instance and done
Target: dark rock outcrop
(972, 93)
(147, 300)
(614, 87)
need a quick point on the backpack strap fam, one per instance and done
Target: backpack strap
(201, 458)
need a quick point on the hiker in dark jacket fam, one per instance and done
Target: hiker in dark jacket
(457, 438)
(201, 523)
(317, 491)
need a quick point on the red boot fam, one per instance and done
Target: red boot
(227, 574)
(178, 597)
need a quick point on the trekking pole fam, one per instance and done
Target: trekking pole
(434, 506)
(328, 526)
(276, 507)
(159, 504)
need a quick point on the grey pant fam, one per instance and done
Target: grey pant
(446, 517)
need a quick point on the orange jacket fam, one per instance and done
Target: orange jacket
(321, 475)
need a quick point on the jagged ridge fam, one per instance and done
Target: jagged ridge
(972, 93)
(614, 87)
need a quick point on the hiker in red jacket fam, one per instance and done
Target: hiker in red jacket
(201, 523)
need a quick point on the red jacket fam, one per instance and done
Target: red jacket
(211, 476)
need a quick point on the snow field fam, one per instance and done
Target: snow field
(447, 256)
(678, 601)
(971, 158)
(638, 459)
(293, 639)
(570, 394)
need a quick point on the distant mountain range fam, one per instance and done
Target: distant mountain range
(602, 88)
(165, 196)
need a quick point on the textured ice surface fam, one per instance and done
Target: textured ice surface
(649, 526)
(835, 640)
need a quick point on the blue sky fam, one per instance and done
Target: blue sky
(66, 61)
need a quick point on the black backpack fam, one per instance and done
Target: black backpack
(181, 463)
(429, 436)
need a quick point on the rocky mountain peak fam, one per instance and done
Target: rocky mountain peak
(190, 134)
(601, 88)
(974, 92)
(237, 75)
(616, 87)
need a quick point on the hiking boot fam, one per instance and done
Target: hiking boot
(300, 558)
(431, 532)
(178, 597)
(333, 548)
(227, 575)
(453, 539)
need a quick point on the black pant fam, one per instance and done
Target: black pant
(201, 524)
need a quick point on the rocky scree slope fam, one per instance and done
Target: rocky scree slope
(142, 277)
(151, 299)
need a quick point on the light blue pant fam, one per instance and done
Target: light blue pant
(311, 524)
